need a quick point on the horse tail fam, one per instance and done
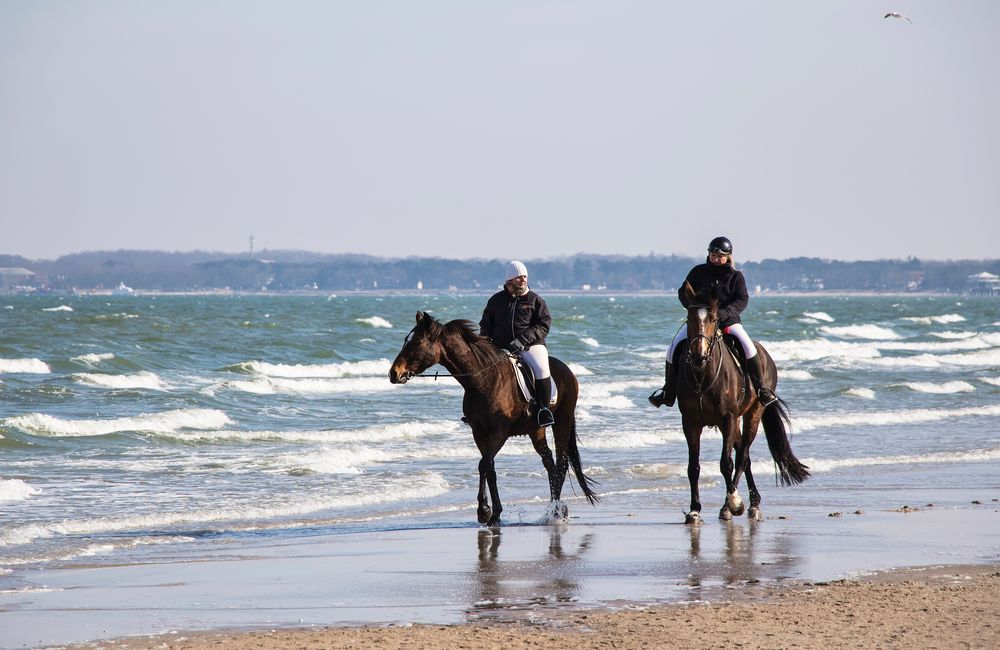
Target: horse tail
(776, 422)
(586, 483)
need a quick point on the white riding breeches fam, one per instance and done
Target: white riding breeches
(537, 358)
(749, 349)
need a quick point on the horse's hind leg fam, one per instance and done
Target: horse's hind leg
(556, 473)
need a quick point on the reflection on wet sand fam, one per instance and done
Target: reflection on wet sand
(523, 583)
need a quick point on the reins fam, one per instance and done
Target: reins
(435, 376)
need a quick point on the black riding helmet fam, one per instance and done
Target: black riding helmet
(721, 245)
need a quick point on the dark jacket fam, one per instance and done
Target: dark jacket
(731, 287)
(506, 317)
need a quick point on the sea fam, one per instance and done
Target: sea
(137, 425)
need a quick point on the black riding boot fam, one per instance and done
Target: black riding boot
(543, 395)
(668, 393)
(764, 394)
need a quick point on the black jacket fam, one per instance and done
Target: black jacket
(525, 318)
(731, 287)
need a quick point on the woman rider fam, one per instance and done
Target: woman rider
(518, 319)
(719, 270)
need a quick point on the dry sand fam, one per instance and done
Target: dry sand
(939, 607)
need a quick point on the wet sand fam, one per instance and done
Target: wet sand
(602, 580)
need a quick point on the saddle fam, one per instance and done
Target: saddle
(526, 379)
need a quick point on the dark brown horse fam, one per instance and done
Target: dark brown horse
(494, 406)
(712, 392)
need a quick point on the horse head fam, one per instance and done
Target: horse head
(702, 323)
(420, 350)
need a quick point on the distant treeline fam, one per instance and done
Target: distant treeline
(303, 271)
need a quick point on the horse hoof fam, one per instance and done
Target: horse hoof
(494, 522)
(755, 514)
(692, 518)
(724, 514)
(735, 504)
(738, 511)
(485, 514)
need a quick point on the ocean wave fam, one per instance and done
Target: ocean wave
(942, 389)
(24, 366)
(819, 316)
(590, 341)
(935, 320)
(828, 465)
(871, 332)
(167, 421)
(579, 370)
(374, 321)
(863, 393)
(93, 359)
(368, 368)
(887, 418)
(317, 386)
(993, 381)
(815, 349)
(59, 308)
(953, 335)
(795, 375)
(15, 489)
(142, 379)
(981, 358)
(406, 431)
(423, 485)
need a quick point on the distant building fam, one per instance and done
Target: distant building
(984, 284)
(12, 277)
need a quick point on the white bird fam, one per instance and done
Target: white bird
(896, 14)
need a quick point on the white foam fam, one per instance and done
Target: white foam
(142, 379)
(93, 359)
(25, 366)
(887, 418)
(59, 308)
(930, 320)
(863, 393)
(406, 431)
(953, 335)
(815, 349)
(424, 485)
(167, 421)
(368, 368)
(579, 370)
(993, 381)
(871, 332)
(592, 342)
(319, 386)
(825, 465)
(945, 388)
(374, 321)
(15, 489)
(819, 315)
(795, 375)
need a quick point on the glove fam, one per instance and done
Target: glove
(516, 346)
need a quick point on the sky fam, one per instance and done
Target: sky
(501, 129)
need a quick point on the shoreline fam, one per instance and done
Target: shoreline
(953, 606)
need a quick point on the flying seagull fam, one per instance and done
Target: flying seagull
(896, 14)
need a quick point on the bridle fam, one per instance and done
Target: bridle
(696, 380)
(410, 374)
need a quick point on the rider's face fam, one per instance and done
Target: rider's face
(518, 283)
(717, 258)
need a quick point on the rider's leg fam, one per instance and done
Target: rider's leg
(668, 393)
(754, 369)
(537, 358)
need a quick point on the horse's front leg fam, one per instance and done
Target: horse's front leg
(692, 432)
(489, 508)
(733, 504)
(487, 477)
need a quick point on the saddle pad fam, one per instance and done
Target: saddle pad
(523, 373)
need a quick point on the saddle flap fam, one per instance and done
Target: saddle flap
(526, 380)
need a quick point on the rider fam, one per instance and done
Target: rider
(518, 319)
(719, 270)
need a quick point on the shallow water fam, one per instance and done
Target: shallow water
(141, 422)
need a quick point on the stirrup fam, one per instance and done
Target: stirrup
(545, 418)
(766, 396)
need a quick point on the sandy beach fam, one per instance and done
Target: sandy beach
(923, 576)
(939, 607)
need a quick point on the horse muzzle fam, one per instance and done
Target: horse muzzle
(397, 377)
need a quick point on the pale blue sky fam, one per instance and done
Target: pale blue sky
(501, 129)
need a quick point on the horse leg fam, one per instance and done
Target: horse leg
(556, 474)
(733, 504)
(488, 445)
(754, 514)
(692, 432)
(487, 478)
(751, 422)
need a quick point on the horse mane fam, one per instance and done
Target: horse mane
(481, 346)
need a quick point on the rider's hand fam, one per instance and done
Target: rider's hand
(516, 346)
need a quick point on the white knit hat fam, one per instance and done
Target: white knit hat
(515, 268)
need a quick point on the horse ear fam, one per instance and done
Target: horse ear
(420, 316)
(688, 290)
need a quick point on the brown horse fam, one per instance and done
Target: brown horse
(493, 404)
(712, 392)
